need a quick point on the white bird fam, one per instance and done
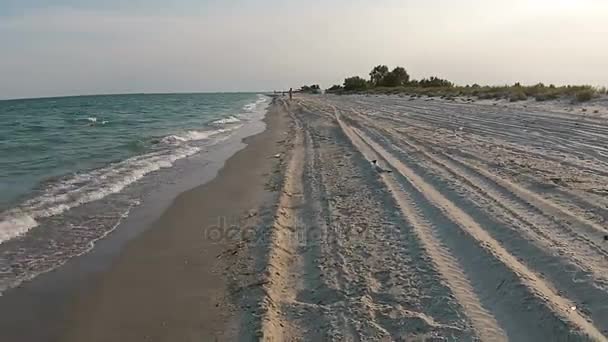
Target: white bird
(379, 168)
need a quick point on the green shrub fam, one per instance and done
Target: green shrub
(355, 83)
(550, 94)
(313, 89)
(397, 81)
(517, 95)
(395, 78)
(334, 89)
(377, 74)
(584, 95)
(435, 82)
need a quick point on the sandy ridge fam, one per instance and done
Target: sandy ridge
(485, 324)
(560, 305)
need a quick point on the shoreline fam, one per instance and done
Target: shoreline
(172, 283)
(44, 300)
(59, 212)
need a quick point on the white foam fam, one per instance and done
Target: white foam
(194, 136)
(256, 105)
(228, 120)
(84, 188)
(173, 139)
(13, 282)
(14, 224)
(250, 107)
(201, 135)
(90, 186)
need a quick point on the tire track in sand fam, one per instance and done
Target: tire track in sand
(521, 210)
(520, 205)
(560, 305)
(573, 264)
(278, 284)
(483, 322)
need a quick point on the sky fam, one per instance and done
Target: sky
(75, 47)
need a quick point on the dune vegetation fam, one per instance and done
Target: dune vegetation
(382, 80)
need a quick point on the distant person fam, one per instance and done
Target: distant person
(290, 93)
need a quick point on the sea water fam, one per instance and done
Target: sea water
(72, 168)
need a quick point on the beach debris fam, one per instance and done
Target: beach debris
(257, 283)
(252, 213)
(231, 251)
(573, 308)
(605, 237)
(278, 155)
(556, 180)
(379, 168)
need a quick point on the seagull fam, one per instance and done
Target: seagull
(378, 168)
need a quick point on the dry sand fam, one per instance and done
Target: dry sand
(488, 226)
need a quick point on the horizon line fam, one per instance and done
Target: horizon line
(138, 93)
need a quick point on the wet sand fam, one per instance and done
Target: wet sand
(173, 282)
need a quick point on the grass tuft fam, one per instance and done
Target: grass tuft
(585, 95)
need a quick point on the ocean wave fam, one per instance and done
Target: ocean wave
(15, 223)
(66, 193)
(228, 120)
(11, 277)
(255, 106)
(193, 136)
(84, 188)
(94, 120)
(250, 107)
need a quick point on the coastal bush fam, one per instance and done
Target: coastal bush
(314, 89)
(434, 81)
(398, 81)
(518, 95)
(334, 89)
(378, 74)
(547, 96)
(395, 78)
(355, 83)
(584, 95)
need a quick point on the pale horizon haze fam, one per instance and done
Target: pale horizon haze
(76, 47)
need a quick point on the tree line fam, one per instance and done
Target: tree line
(382, 76)
(382, 80)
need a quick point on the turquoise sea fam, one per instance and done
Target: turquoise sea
(60, 156)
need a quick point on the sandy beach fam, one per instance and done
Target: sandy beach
(173, 282)
(408, 171)
(478, 221)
